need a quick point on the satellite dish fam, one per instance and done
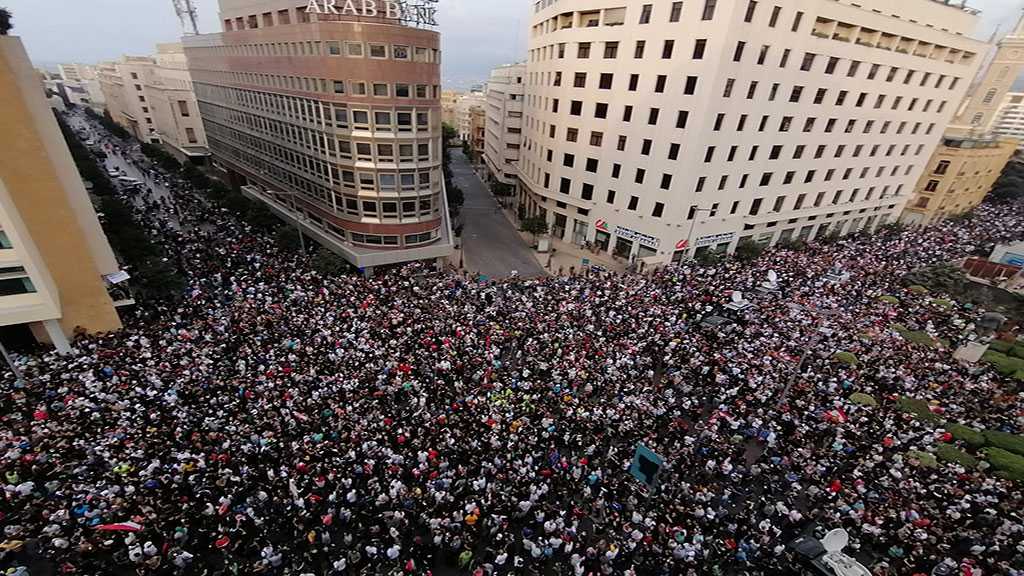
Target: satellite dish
(835, 540)
(773, 277)
(737, 296)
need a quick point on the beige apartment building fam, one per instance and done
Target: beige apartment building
(654, 129)
(972, 154)
(54, 258)
(477, 132)
(333, 121)
(152, 97)
(959, 176)
(1009, 119)
(503, 138)
(464, 113)
(449, 98)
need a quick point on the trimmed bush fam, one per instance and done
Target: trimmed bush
(967, 435)
(1000, 346)
(927, 460)
(1005, 365)
(1005, 440)
(863, 399)
(950, 453)
(1011, 465)
(920, 337)
(918, 289)
(845, 357)
(942, 303)
(919, 408)
(889, 299)
(1017, 351)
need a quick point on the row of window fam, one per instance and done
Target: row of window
(795, 96)
(785, 123)
(829, 64)
(382, 182)
(319, 114)
(360, 88)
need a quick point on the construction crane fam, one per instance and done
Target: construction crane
(187, 14)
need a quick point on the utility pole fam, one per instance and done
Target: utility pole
(20, 379)
(187, 15)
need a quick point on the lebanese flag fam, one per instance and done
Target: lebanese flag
(120, 527)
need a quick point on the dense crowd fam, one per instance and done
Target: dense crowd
(281, 422)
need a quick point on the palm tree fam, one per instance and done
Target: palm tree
(5, 21)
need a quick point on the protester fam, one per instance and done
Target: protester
(281, 422)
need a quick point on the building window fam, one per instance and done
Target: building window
(606, 81)
(775, 16)
(659, 209)
(334, 48)
(709, 10)
(659, 84)
(190, 133)
(633, 202)
(638, 52)
(737, 54)
(399, 52)
(580, 80)
(691, 85)
(698, 49)
(583, 50)
(645, 14)
(931, 186)
(666, 50)
(611, 50)
(751, 8)
(183, 108)
(942, 167)
(378, 51)
(354, 49)
(677, 11)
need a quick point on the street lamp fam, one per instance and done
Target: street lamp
(19, 378)
(693, 223)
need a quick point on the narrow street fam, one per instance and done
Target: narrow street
(491, 244)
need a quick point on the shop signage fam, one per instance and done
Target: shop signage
(714, 239)
(649, 241)
(417, 12)
(601, 225)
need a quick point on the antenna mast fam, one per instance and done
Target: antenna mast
(187, 15)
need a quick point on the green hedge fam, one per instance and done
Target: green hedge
(863, 399)
(889, 299)
(917, 289)
(845, 358)
(919, 408)
(943, 303)
(1000, 346)
(1005, 365)
(927, 460)
(967, 435)
(950, 453)
(1005, 440)
(1017, 351)
(920, 337)
(1010, 464)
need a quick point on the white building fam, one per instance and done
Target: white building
(463, 113)
(1009, 120)
(656, 128)
(82, 85)
(503, 137)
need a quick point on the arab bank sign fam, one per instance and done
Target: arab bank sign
(415, 12)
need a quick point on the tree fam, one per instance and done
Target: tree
(5, 21)
(450, 133)
(287, 239)
(535, 225)
(455, 199)
(1010, 185)
(747, 250)
(500, 189)
(328, 263)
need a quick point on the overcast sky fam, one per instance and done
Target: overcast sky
(477, 35)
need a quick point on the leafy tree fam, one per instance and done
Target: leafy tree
(747, 250)
(449, 132)
(535, 225)
(259, 216)
(287, 239)
(455, 199)
(329, 264)
(6, 19)
(1010, 185)
(501, 190)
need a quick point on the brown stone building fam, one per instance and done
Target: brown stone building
(332, 120)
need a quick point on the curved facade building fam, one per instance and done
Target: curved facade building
(333, 120)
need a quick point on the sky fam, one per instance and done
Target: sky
(476, 35)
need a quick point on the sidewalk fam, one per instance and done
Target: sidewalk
(565, 257)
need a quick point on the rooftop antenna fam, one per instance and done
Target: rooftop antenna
(185, 10)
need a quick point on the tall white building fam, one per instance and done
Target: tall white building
(1009, 120)
(654, 128)
(503, 138)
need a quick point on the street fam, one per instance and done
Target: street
(491, 244)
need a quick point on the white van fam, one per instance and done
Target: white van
(129, 182)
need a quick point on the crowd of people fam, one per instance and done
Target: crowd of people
(277, 421)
